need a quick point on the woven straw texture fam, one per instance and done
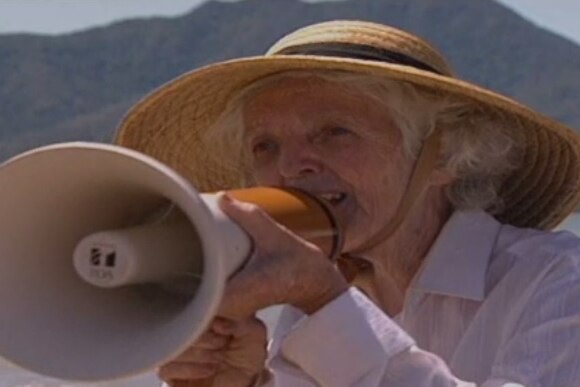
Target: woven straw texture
(169, 123)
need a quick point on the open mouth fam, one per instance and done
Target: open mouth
(334, 198)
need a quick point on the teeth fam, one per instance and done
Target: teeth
(331, 196)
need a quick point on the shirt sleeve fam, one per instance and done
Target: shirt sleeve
(352, 339)
(351, 342)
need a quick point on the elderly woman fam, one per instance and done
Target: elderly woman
(443, 190)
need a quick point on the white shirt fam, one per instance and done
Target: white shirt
(493, 305)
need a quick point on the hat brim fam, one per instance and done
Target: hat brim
(169, 124)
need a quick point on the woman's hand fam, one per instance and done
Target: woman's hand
(229, 354)
(283, 269)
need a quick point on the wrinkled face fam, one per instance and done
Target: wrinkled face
(331, 141)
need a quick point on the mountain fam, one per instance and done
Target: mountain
(78, 86)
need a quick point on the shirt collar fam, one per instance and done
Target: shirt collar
(456, 264)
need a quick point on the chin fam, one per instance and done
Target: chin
(353, 238)
(357, 234)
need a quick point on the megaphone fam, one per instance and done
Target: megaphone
(112, 263)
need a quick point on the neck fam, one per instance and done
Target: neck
(396, 261)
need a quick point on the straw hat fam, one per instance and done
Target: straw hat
(169, 123)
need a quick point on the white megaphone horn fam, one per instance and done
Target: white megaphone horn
(113, 264)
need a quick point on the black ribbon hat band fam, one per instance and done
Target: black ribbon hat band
(358, 51)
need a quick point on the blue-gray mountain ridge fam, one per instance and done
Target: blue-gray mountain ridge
(78, 86)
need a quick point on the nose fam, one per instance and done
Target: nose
(299, 160)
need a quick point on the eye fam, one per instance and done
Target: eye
(338, 131)
(263, 147)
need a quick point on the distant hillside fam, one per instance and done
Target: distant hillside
(78, 86)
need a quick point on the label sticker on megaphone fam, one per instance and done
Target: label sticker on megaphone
(154, 252)
(95, 263)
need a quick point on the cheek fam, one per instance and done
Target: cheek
(266, 176)
(383, 181)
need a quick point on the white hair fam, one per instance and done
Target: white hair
(477, 148)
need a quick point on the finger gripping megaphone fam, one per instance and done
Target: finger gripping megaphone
(113, 264)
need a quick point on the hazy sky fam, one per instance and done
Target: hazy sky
(58, 16)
